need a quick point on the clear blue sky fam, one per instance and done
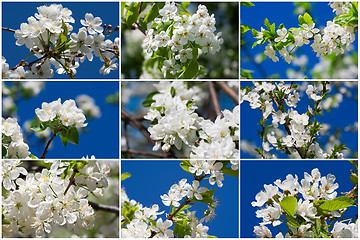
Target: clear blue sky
(280, 12)
(150, 179)
(102, 136)
(255, 173)
(15, 13)
(349, 108)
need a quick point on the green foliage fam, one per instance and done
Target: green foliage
(305, 19)
(172, 92)
(244, 28)
(148, 101)
(113, 99)
(230, 172)
(132, 13)
(247, 4)
(185, 164)
(288, 204)
(125, 176)
(128, 212)
(191, 70)
(74, 165)
(154, 11)
(336, 204)
(246, 73)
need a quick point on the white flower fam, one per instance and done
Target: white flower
(93, 24)
(282, 35)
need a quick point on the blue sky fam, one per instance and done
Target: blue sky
(15, 13)
(255, 173)
(102, 134)
(150, 179)
(280, 12)
(349, 108)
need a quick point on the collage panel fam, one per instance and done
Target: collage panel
(299, 199)
(182, 199)
(180, 40)
(180, 119)
(60, 119)
(62, 41)
(299, 40)
(60, 199)
(299, 119)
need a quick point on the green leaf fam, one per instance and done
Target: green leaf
(354, 178)
(292, 221)
(308, 19)
(66, 173)
(189, 103)
(244, 28)
(148, 101)
(336, 204)
(153, 12)
(132, 13)
(230, 172)
(267, 24)
(247, 4)
(254, 32)
(33, 156)
(64, 140)
(185, 164)
(73, 135)
(288, 204)
(185, 4)
(301, 20)
(4, 151)
(191, 70)
(172, 92)
(125, 176)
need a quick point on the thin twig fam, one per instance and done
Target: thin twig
(71, 181)
(103, 207)
(229, 91)
(214, 99)
(127, 139)
(43, 155)
(8, 29)
(133, 122)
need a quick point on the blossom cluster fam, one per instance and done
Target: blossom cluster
(175, 122)
(146, 222)
(301, 129)
(45, 35)
(44, 199)
(88, 106)
(313, 188)
(186, 35)
(66, 112)
(332, 39)
(12, 140)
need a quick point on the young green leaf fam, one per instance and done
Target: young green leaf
(73, 135)
(247, 4)
(337, 203)
(288, 204)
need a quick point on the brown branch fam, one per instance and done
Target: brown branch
(353, 192)
(151, 154)
(214, 99)
(133, 122)
(229, 91)
(103, 207)
(127, 139)
(8, 29)
(71, 181)
(43, 155)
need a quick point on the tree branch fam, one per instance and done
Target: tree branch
(106, 208)
(8, 29)
(127, 139)
(43, 155)
(229, 91)
(214, 99)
